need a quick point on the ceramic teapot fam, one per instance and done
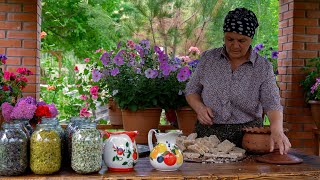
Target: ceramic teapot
(120, 151)
(165, 156)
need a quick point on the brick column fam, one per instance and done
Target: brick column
(19, 38)
(298, 41)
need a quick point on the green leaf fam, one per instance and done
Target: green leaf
(124, 163)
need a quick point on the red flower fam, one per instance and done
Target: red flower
(43, 111)
(5, 88)
(76, 69)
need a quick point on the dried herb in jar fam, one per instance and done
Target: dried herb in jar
(45, 150)
(86, 149)
(13, 150)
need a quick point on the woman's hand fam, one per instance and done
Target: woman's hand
(205, 115)
(278, 137)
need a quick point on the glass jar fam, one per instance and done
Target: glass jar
(86, 149)
(55, 122)
(13, 150)
(72, 127)
(45, 150)
(26, 124)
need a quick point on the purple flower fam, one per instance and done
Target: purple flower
(274, 54)
(140, 50)
(258, 47)
(105, 58)
(163, 58)
(157, 50)
(53, 110)
(183, 74)
(145, 44)
(6, 111)
(194, 63)
(28, 99)
(118, 59)
(96, 75)
(151, 74)
(175, 67)
(114, 71)
(23, 110)
(315, 86)
(41, 103)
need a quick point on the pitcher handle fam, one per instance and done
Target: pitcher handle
(150, 138)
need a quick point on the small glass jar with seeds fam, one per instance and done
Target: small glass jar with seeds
(45, 150)
(13, 150)
(86, 149)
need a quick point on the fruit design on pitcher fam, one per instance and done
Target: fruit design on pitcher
(124, 155)
(165, 155)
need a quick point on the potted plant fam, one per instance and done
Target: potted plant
(311, 86)
(11, 84)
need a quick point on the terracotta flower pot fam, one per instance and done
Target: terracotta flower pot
(315, 111)
(115, 114)
(256, 140)
(141, 121)
(187, 119)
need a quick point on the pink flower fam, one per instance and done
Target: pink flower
(86, 60)
(24, 71)
(84, 112)
(195, 50)
(186, 59)
(94, 90)
(9, 76)
(83, 97)
(94, 97)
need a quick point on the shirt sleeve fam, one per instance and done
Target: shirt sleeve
(270, 96)
(194, 85)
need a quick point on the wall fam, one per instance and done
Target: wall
(299, 34)
(19, 38)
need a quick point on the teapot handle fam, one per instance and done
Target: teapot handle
(150, 138)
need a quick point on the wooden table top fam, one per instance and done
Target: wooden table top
(246, 169)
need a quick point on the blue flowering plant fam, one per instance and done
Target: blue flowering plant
(135, 75)
(269, 53)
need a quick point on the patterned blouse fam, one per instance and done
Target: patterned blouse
(238, 96)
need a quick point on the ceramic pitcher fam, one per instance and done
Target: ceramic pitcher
(120, 151)
(165, 156)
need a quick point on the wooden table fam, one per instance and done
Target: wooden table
(246, 169)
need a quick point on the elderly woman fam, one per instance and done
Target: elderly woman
(233, 85)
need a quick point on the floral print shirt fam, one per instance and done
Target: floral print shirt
(238, 96)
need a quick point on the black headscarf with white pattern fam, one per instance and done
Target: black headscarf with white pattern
(241, 21)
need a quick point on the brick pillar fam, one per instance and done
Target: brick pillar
(298, 41)
(19, 38)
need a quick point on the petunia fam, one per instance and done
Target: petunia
(84, 112)
(96, 75)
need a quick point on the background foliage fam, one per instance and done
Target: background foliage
(76, 28)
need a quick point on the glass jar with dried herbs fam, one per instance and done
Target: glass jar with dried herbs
(13, 150)
(72, 127)
(26, 124)
(45, 150)
(86, 149)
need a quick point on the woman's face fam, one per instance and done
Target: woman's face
(237, 45)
